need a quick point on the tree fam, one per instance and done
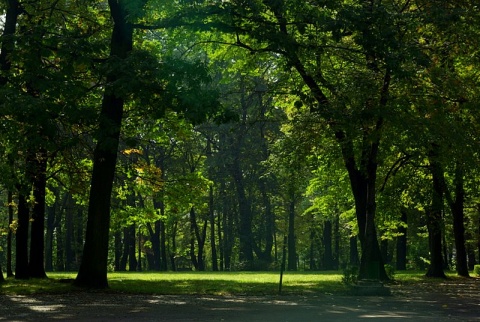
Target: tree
(93, 269)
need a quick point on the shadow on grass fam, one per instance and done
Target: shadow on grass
(221, 287)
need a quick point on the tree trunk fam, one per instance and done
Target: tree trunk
(363, 183)
(434, 218)
(125, 249)
(21, 238)
(195, 236)
(401, 253)
(36, 263)
(312, 263)
(154, 233)
(327, 244)
(69, 252)
(118, 250)
(211, 213)
(457, 207)
(93, 269)
(245, 229)
(292, 251)
(354, 258)
(132, 256)
(336, 258)
(9, 234)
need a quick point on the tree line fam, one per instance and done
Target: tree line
(208, 135)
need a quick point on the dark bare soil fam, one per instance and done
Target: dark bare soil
(446, 301)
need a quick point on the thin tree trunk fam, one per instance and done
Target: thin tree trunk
(9, 234)
(327, 244)
(69, 253)
(126, 247)
(211, 213)
(132, 256)
(401, 253)
(292, 252)
(93, 269)
(118, 250)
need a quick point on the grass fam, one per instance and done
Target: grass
(206, 283)
(190, 283)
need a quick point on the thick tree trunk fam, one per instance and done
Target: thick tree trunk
(93, 269)
(354, 259)
(363, 187)
(154, 233)
(456, 207)
(401, 253)
(36, 263)
(434, 219)
(21, 238)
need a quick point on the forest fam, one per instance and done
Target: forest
(218, 134)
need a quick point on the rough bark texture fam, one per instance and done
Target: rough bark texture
(93, 269)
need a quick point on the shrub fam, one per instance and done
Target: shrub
(350, 275)
(476, 269)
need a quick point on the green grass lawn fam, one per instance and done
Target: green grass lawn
(212, 283)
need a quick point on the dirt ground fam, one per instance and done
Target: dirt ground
(443, 302)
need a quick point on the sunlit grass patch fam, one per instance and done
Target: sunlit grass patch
(222, 283)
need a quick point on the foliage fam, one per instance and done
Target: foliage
(350, 275)
(476, 270)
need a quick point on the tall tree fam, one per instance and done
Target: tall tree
(93, 269)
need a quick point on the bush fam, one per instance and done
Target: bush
(390, 270)
(476, 269)
(350, 275)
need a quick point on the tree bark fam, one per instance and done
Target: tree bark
(36, 263)
(93, 269)
(434, 217)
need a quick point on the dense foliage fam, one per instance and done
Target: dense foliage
(212, 135)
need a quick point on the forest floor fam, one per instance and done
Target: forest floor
(443, 301)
